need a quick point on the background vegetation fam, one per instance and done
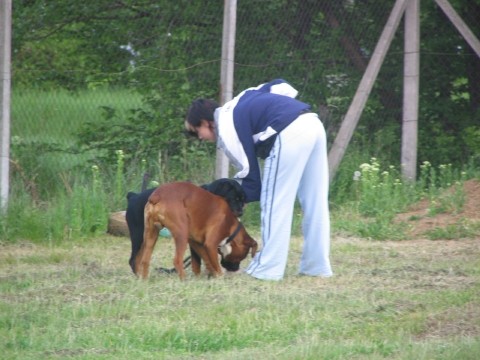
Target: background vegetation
(93, 80)
(100, 91)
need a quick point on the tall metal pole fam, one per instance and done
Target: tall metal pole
(5, 76)
(411, 81)
(226, 74)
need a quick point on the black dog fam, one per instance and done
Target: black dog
(229, 189)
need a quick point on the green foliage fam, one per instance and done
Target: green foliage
(167, 53)
(377, 196)
(443, 187)
(141, 133)
(79, 212)
(52, 136)
(471, 138)
(107, 151)
(170, 52)
(462, 229)
(69, 43)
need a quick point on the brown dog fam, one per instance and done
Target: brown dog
(197, 217)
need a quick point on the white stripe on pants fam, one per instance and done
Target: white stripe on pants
(297, 165)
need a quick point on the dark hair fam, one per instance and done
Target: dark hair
(201, 109)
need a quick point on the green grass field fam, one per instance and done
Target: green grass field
(397, 300)
(66, 290)
(56, 115)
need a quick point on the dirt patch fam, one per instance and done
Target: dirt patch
(421, 220)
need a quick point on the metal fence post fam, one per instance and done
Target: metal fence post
(411, 81)
(364, 88)
(226, 75)
(5, 49)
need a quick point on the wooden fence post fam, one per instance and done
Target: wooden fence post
(411, 80)
(364, 88)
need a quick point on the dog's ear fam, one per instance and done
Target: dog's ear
(131, 195)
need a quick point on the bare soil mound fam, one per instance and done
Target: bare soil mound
(421, 221)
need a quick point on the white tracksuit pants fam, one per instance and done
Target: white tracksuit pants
(297, 166)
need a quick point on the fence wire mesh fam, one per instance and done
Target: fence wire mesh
(87, 62)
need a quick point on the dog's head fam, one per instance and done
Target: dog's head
(237, 250)
(231, 191)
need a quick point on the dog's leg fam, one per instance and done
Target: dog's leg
(196, 259)
(180, 236)
(203, 255)
(150, 236)
(180, 248)
(136, 237)
(208, 262)
(211, 258)
(137, 263)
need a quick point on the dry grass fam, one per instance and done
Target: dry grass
(400, 300)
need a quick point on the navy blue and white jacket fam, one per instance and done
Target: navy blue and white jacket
(248, 124)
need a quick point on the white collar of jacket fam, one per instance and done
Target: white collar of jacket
(227, 137)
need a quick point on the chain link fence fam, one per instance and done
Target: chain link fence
(90, 62)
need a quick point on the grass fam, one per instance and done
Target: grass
(378, 196)
(66, 290)
(44, 123)
(56, 115)
(396, 300)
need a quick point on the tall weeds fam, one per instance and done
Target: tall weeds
(82, 208)
(379, 193)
